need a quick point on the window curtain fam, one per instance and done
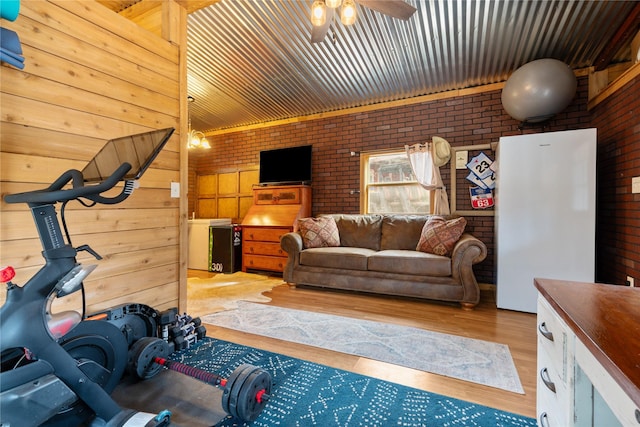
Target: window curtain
(426, 168)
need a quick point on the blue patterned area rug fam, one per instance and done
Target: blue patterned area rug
(309, 394)
(468, 359)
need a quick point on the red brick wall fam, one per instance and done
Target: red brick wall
(464, 120)
(618, 228)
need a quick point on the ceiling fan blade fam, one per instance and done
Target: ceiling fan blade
(318, 33)
(394, 8)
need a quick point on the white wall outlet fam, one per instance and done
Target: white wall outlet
(630, 281)
(462, 158)
(175, 190)
(635, 184)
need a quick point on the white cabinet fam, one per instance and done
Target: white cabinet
(555, 368)
(612, 407)
(588, 355)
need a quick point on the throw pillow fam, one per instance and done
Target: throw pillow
(359, 231)
(402, 231)
(319, 232)
(439, 236)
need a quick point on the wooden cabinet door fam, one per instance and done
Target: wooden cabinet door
(226, 194)
(228, 183)
(207, 186)
(247, 180)
(207, 208)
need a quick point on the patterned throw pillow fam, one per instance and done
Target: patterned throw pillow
(440, 236)
(319, 232)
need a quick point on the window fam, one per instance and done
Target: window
(389, 186)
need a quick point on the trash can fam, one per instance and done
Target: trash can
(225, 248)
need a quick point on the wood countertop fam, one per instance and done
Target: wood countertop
(606, 319)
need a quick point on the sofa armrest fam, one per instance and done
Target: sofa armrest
(291, 243)
(467, 252)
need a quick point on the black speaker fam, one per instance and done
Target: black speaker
(225, 248)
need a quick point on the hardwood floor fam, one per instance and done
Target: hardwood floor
(485, 322)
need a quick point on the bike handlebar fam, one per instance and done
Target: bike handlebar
(54, 193)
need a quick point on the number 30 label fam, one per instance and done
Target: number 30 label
(217, 267)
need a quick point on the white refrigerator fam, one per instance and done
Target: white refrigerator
(545, 213)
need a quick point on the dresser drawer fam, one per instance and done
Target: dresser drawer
(263, 248)
(283, 196)
(261, 262)
(553, 393)
(264, 234)
(553, 338)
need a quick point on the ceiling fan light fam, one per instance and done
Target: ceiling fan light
(333, 3)
(318, 13)
(348, 12)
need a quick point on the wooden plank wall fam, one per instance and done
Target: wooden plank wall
(92, 75)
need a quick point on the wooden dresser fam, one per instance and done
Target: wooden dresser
(274, 212)
(588, 354)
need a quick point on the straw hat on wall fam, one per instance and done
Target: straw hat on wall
(441, 151)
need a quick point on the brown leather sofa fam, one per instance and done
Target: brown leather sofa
(377, 254)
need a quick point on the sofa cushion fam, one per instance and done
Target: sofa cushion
(339, 258)
(359, 231)
(410, 262)
(439, 236)
(319, 232)
(401, 231)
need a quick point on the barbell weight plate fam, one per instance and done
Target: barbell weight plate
(257, 382)
(142, 356)
(240, 394)
(229, 396)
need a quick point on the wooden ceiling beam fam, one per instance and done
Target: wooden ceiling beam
(193, 5)
(625, 33)
(121, 6)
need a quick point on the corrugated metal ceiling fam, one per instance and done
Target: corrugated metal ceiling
(252, 61)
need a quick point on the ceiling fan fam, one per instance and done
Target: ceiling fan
(323, 12)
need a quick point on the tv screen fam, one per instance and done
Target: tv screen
(138, 150)
(286, 165)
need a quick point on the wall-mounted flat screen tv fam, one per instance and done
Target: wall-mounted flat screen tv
(290, 165)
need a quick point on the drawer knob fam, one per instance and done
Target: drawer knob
(544, 420)
(638, 415)
(542, 328)
(546, 379)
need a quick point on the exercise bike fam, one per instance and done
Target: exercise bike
(58, 369)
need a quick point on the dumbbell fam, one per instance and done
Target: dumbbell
(245, 392)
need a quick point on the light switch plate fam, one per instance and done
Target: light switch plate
(462, 158)
(635, 184)
(175, 190)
